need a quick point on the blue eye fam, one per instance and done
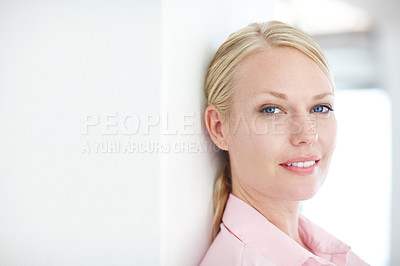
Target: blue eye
(271, 110)
(321, 108)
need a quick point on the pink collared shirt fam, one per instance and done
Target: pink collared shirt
(247, 238)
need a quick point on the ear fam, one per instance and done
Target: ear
(215, 126)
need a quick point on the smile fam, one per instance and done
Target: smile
(302, 164)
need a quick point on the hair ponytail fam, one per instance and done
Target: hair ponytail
(222, 189)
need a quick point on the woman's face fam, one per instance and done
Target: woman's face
(280, 115)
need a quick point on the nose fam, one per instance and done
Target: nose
(302, 130)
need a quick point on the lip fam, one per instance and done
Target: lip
(303, 159)
(303, 171)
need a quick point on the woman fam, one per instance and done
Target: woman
(271, 110)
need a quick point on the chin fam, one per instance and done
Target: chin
(302, 193)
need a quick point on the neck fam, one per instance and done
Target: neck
(283, 214)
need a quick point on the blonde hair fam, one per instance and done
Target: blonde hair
(219, 85)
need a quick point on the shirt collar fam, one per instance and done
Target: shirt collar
(256, 232)
(322, 243)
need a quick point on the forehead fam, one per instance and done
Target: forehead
(284, 70)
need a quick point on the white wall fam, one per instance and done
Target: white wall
(59, 62)
(77, 78)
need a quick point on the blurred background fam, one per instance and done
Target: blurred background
(79, 185)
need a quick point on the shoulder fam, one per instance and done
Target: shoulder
(227, 249)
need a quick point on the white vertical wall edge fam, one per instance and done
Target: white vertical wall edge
(191, 33)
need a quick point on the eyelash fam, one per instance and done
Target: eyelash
(330, 109)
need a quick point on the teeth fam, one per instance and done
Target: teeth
(302, 164)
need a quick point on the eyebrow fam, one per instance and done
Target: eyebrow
(322, 95)
(285, 97)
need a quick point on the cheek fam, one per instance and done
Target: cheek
(253, 151)
(250, 148)
(253, 134)
(327, 130)
(253, 161)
